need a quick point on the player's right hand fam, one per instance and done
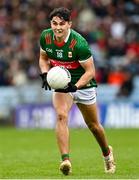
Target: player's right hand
(45, 84)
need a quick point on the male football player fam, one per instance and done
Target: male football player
(62, 46)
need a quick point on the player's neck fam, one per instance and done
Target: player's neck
(61, 39)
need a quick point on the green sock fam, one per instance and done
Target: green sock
(105, 151)
(64, 156)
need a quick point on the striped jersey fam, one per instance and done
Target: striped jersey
(68, 54)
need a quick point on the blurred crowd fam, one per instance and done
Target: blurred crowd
(110, 26)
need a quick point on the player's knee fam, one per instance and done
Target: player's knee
(62, 115)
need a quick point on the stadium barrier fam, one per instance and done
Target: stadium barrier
(112, 115)
(32, 106)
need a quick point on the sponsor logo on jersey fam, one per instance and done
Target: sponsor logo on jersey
(59, 50)
(68, 65)
(49, 50)
(70, 54)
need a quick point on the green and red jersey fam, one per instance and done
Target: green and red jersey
(68, 54)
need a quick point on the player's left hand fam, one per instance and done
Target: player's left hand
(70, 88)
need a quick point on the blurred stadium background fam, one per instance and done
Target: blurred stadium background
(112, 29)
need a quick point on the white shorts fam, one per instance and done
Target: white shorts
(84, 96)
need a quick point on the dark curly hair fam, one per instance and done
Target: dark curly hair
(62, 13)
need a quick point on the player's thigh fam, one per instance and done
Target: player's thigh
(89, 112)
(62, 101)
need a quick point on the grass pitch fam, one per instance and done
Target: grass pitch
(34, 154)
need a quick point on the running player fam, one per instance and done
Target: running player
(62, 46)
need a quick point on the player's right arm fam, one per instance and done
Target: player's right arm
(44, 67)
(43, 61)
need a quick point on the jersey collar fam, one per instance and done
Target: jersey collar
(62, 43)
(67, 36)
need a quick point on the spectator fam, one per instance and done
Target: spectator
(111, 28)
(126, 87)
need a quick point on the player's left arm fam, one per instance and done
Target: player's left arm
(89, 68)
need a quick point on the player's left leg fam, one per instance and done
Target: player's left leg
(90, 115)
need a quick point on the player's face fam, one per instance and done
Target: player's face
(60, 27)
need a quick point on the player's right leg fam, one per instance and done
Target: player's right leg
(62, 103)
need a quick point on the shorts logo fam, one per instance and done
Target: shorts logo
(70, 54)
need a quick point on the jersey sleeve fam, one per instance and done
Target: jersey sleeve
(42, 40)
(84, 51)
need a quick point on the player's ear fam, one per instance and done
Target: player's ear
(70, 23)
